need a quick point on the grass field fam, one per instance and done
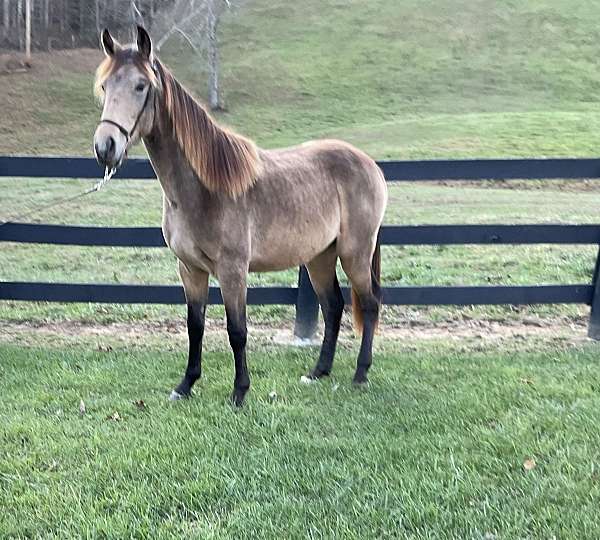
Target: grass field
(436, 448)
(461, 402)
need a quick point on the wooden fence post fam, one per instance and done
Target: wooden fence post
(594, 325)
(307, 308)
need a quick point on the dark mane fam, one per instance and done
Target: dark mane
(224, 161)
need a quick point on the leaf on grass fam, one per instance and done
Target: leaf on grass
(525, 380)
(114, 416)
(529, 464)
(81, 407)
(140, 404)
(272, 396)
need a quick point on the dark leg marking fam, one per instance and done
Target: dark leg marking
(195, 325)
(370, 308)
(238, 333)
(332, 306)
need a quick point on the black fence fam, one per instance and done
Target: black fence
(303, 296)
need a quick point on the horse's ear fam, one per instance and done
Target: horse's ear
(144, 43)
(109, 45)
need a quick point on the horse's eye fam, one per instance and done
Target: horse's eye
(102, 88)
(140, 87)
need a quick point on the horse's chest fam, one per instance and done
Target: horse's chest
(182, 241)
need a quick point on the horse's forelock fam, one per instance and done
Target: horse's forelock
(112, 63)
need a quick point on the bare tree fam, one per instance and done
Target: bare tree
(28, 30)
(197, 23)
(6, 13)
(26, 24)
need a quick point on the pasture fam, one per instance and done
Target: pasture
(434, 449)
(479, 422)
(460, 400)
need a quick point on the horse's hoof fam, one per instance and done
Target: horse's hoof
(318, 373)
(237, 399)
(360, 383)
(308, 380)
(175, 396)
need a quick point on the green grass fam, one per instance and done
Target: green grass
(399, 79)
(433, 449)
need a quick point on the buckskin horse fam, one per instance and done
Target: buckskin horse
(230, 208)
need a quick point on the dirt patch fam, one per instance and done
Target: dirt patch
(174, 333)
(574, 185)
(45, 64)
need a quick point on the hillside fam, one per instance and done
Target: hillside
(399, 79)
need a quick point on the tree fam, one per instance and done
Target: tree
(197, 22)
(27, 24)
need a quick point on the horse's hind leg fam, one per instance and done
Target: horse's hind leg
(324, 280)
(195, 285)
(365, 286)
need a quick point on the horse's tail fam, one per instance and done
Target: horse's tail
(357, 313)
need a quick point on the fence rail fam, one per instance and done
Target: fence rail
(394, 171)
(34, 233)
(303, 296)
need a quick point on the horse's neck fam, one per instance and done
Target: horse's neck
(176, 176)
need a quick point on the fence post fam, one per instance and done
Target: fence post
(594, 325)
(307, 308)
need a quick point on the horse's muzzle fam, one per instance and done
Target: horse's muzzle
(105, 152)
(109, 146)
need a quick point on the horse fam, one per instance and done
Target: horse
(230, 207)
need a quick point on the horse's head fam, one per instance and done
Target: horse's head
(126, 82)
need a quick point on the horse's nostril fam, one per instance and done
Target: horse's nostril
(105, 149)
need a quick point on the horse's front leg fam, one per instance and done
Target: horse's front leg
(232, 280)
(195, 285)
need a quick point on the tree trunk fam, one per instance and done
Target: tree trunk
(214, 100)
(63, 18)
(28, 30)
(81, 20)
(6, 19)
(97, 16)
(19, 22)
(46, 18)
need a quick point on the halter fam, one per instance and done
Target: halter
(128, 134)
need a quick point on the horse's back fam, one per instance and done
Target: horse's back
(310, 196)
(361, 190)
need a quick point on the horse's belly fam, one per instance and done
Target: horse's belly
(289, 251)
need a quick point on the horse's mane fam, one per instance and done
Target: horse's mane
(223, 160)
